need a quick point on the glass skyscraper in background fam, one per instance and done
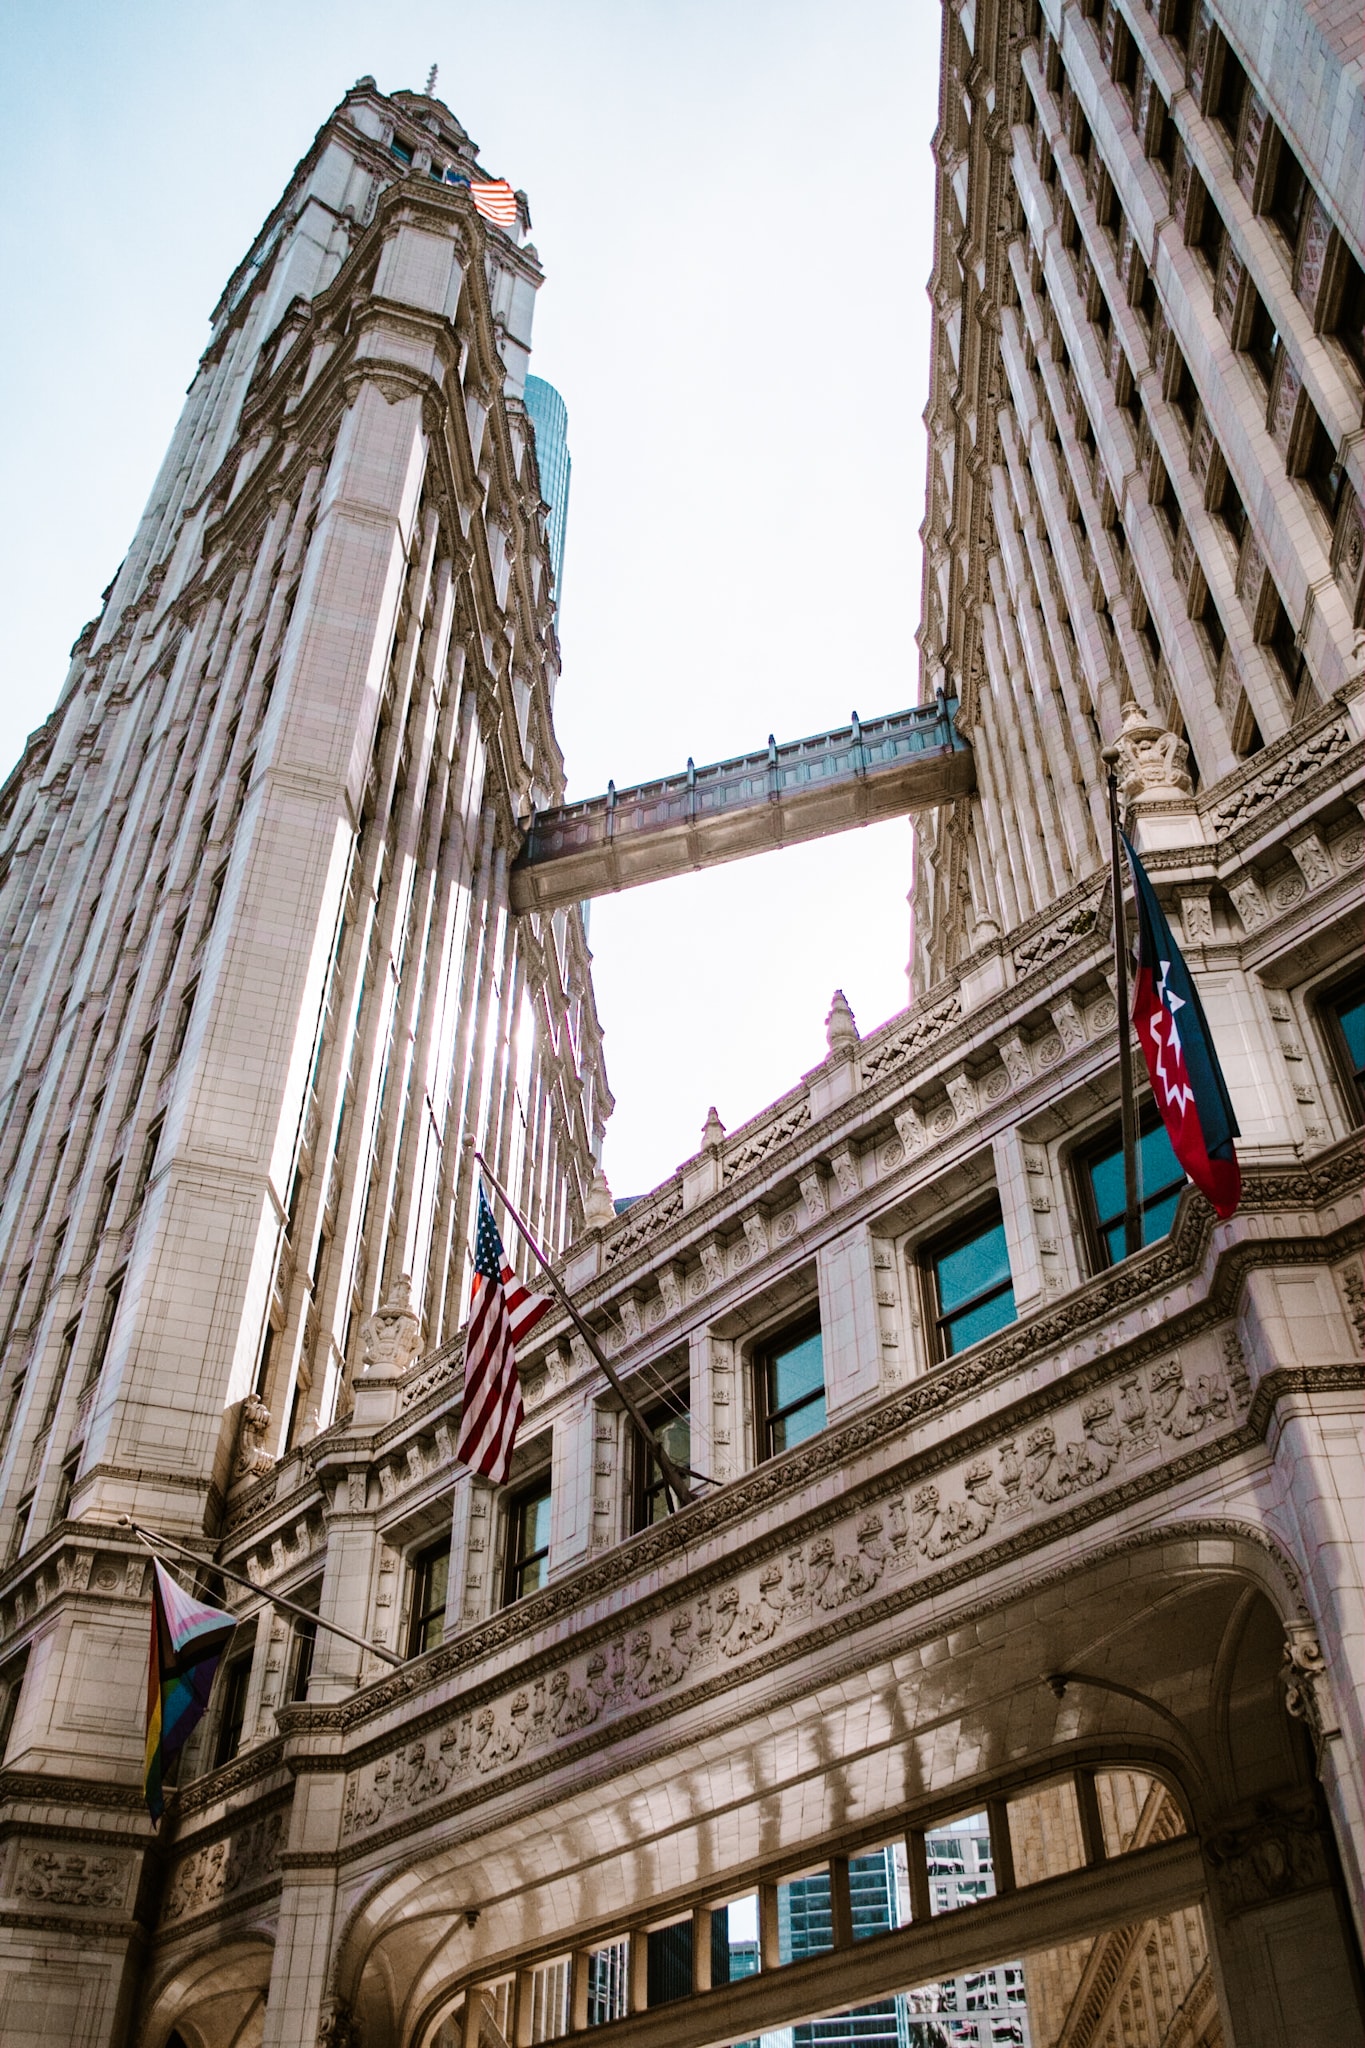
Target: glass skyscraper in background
(549, 417)
(980, 2009)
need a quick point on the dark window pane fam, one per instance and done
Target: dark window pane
(235, 1682)
(305, 1644)
(669, 1970)
(797, 1372)
(674, 1432)
(982, 1321)
(797, 1424)
(972, 1268)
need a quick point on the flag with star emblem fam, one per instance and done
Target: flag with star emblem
(501, 1313)
(1187, 1081)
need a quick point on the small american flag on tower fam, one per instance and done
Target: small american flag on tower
(501, 1313)
(495, 200)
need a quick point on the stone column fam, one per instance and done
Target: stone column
(849, 1326)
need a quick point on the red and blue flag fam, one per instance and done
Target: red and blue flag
(188, 1641)
(1187, 1081)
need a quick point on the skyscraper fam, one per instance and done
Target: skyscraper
(262, 984)
(549, 416)
(1019, 1580)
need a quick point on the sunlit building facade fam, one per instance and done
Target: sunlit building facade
(1001, 1683)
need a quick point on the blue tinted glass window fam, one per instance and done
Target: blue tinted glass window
(974, 1294)
(1160, 1178)
(794, 1392)
(971, 1269)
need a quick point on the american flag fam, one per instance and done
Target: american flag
(496, 201)
(501, 1313)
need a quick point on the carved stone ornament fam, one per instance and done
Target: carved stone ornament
(841, 1032)
(337, 2027)
(1152, 761)
(1277, 1853)
(58, 1878)
(203, 1879)
(253, 1459)
(1053, 1461)
(1304, 1677)
(599, 1211)
(392, 1337)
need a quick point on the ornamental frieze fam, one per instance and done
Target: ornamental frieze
(221, 1870)
(1141, 1418)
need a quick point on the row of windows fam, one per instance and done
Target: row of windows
(969, 1296)
(1309, 452)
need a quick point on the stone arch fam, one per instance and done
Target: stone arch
(214, 1998)
(1165, 1645)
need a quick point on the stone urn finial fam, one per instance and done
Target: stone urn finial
(391, 1338)
(712, 1131)
(599, 1210)
(841, 1032)
(1152, 760)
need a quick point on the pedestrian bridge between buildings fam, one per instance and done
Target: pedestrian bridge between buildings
(802, 789)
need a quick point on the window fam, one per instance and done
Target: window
(215, 897)
(972, 1294)
(672, 1425)
(1343, 1011)
(528, 1541)
(400, 150)
(430, 1580)
(790, 1386)
(1263, 343)
(1287, 196)
(1100, 1175)
(105, 1330)
(106, 1200)
(182, 1024)
(145, 1165)
(66, 1487)
(232, 1717)
(301, 1649)
(11, 1685)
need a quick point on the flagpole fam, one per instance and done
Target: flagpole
(1132, 1214)
(153, 1539)
(672, 1478)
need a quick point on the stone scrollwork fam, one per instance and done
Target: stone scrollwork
(1054, 1459)
(1304, 1677)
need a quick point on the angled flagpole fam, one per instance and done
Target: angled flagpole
(1132, 1213)
(155, 1541)
(672, 1477)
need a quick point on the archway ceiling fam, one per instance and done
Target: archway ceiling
(836, 1747)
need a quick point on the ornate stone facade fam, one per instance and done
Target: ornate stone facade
(1090, 1573)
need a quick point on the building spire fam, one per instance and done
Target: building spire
(430, 86)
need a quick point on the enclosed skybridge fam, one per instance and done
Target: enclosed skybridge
(800, 790)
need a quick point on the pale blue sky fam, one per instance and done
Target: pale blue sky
(733, 204)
